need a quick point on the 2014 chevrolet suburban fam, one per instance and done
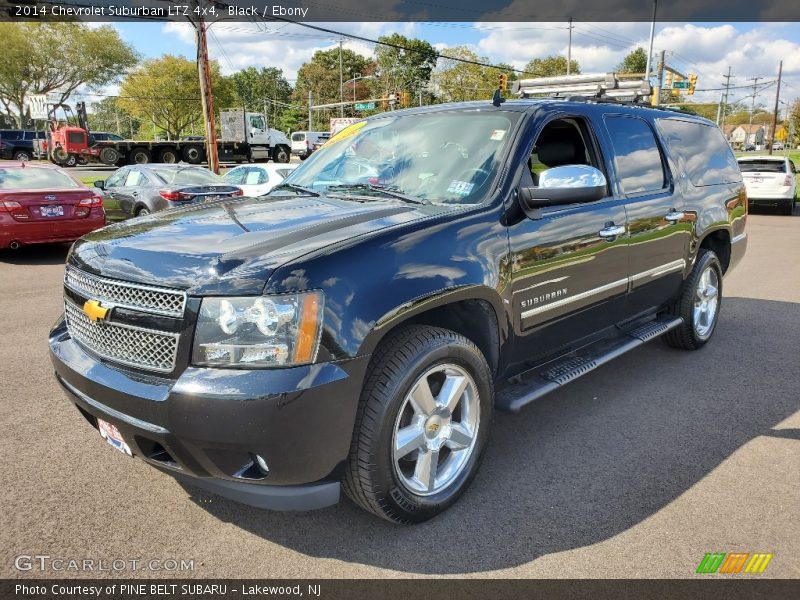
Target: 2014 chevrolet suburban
(357, 327)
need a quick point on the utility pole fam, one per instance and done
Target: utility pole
(661, 58)
(652, 35)
(310, 113)
(569, 47)
(775, 115)
(719, 109)
(206, 95)
(341, 81)
(727, 89)
(755, 92)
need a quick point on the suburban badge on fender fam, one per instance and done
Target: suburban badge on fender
(94, 310)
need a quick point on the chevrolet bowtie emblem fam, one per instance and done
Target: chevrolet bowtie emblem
(94, 311)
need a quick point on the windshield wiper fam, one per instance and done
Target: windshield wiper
(295, 188)
(387, 191)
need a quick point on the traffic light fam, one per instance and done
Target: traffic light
(692, 84)
(503, 86)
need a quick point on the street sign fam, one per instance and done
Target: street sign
(681, 85)
(365, 106)
(37, 104)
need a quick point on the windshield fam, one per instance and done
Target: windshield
(31, 178)
(437, 157)
(763, 166)
(187, 175)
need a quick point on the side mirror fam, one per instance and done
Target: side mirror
(569, 184)
(100, 184)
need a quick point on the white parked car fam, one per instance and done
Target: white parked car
(770, 181)
(257, 180)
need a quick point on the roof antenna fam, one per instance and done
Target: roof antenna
(497, 99)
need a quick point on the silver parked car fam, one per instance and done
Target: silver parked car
(138, 190)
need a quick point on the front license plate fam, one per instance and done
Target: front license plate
(52, 211)
(110, 433)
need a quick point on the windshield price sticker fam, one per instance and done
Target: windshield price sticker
(498, 134)
(462, 188)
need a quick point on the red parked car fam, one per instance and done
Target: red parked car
(44, 204)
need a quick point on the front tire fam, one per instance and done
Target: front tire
(280, 154)
(698, 304)
(422, 425)
(22, 155)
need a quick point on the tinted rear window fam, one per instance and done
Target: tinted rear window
(10, 135)
(636, 155)
(701, 151)
(298, 137)
(32, 178)
(762, 166)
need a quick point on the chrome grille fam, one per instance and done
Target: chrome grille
(145, 298)
(134, 346)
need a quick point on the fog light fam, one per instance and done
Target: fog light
(262, 464)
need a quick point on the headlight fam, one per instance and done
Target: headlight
(268, 331)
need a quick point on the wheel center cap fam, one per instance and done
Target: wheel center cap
(434, 426)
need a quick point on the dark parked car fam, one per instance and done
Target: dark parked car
(104, 136)
(42, 204)
(359, 325)
(18, 144)
(142, 189)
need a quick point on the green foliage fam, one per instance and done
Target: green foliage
(456, 81)
(107, 115)
(634, 62)
(58, 57)
(320, 76)
(550, 66)
(165, 92)
(406, 70)
(264, 89)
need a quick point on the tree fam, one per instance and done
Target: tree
(320, 76)
(264, 89)
(39, 58)
(456, 81)
(634, 62)
(166, 93)
(107, 115)
(406, 70)
(550, 66)
(793, 124)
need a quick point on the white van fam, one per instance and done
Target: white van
(305, 142)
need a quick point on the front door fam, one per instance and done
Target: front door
(570, 264)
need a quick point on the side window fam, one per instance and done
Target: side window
(255, 177)
(236, 175)
(636, 155)
(257, 123)
(117, 178)
(701, 150)
(562, 142)
(134, 178)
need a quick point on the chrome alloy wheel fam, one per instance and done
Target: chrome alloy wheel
(706, 302)
(436, 429)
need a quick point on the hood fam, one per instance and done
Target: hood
(231, 246)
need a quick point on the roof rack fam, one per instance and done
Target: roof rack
(606, 87)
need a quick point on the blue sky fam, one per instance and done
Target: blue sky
(750, 49)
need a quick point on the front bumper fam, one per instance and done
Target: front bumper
(208, 426)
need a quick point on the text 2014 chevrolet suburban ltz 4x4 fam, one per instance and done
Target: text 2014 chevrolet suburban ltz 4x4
(358, 326)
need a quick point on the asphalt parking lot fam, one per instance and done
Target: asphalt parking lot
(636, 470)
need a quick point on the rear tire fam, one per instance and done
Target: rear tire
(394, 476)
(788, 208)
(142, 211)
(168, 155)
(22, 155)
(110, 156)
(139, 156)
(698, 304)
(193, 155)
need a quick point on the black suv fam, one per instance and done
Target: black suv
(358, 326)
(18, 144)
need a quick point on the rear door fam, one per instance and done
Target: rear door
(117, 196)
(659, 231)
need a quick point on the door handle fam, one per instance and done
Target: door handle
(611, 231)
(674, 216)
(134, 193)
